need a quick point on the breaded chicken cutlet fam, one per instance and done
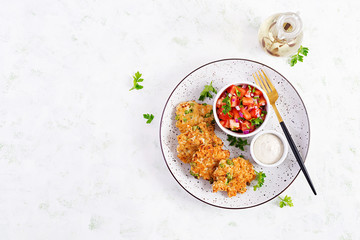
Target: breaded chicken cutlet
(199, 146)
(192, 113)
(206, 159)
(233, 175)
(193, 138)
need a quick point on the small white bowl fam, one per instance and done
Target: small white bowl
(235, 134)
(284, 142)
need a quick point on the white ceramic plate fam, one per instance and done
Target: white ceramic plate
(289, 104)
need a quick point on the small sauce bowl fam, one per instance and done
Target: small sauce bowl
(282, 140)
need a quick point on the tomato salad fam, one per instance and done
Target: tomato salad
(241, 108)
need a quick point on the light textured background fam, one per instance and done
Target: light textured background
(77, 160)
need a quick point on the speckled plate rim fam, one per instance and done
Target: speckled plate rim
(221, 60)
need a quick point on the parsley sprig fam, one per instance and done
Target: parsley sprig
(149, 117)
(237, 142)
(260, 177)
(286, 201)
(298, 57)
(137, 79)
(227, 106)
(206, 92)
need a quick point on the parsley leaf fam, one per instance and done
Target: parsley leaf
(260, 177)
(206, 92)
(303, 50)
(256, 122)
(227, 106)
(237, 142)
(293, 60)
(286, 201)
(298, 57)
(137, 79)
(149, 117)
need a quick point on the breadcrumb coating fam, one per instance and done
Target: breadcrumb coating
(233, 175)
(192, 113)
(206, 159)
(193, 138)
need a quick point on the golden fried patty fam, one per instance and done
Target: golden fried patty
(206, 159)
(192, 113)
(232, 176)
(193, 138)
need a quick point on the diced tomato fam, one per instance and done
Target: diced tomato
(257, 93)
(250, 108)
(262, 101)
(235, 113)
(255, 112)
(223, 116)
(234, 101)
(246, 125)
(246, 113)
(225, 123)
(248, 93)
(242, 92)
(219, 102)
(232, 89)
(247, 101)
(234, 125)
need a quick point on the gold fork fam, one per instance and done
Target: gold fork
(264, 82)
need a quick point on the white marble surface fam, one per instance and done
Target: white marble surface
(77, 160)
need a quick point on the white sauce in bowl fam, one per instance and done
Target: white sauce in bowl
(268, 148)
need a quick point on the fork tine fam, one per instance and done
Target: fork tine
(263, 83)
(268, 81)
(256, 81)
(259, 82)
